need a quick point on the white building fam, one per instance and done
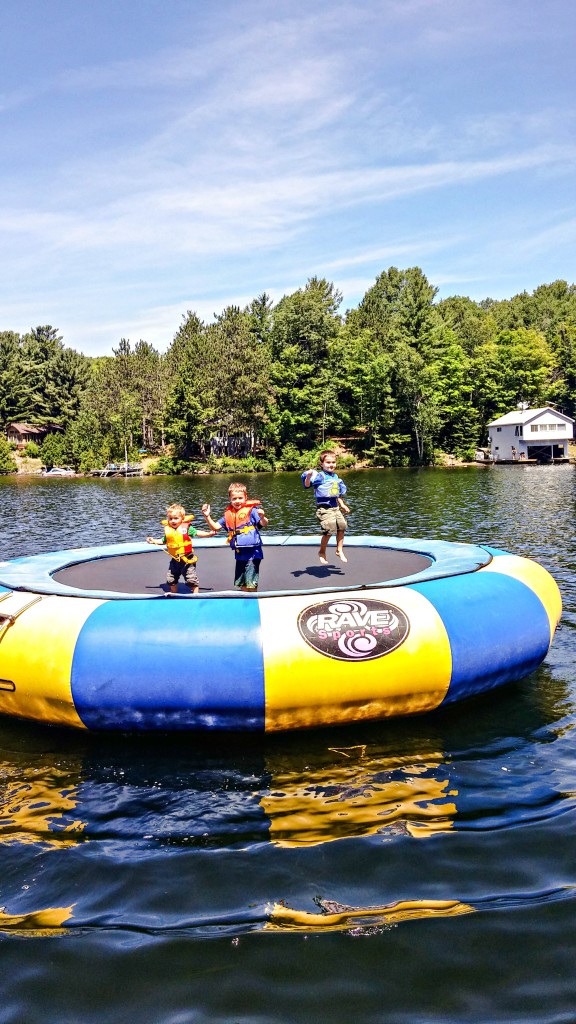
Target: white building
(541, 434)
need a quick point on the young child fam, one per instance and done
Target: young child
(178, 533)
(328, 491)
(242, 519)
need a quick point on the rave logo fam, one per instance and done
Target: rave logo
(353, 630)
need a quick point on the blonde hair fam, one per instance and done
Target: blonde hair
(237, 487)
(176, 509)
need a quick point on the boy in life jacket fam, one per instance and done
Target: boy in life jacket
(178, 534)
(329, 490)
(242, 519)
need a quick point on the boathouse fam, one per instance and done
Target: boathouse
(540, 435)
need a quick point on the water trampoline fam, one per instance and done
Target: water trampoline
(90, 637)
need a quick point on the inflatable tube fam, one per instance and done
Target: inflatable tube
(469, 619)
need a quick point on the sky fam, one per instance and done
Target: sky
(161, 156)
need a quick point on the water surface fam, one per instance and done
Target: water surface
(411, 870)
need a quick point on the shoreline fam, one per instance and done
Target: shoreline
(33, 467)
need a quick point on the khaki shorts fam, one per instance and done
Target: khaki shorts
(331, 520)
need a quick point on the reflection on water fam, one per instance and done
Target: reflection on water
(37, 806)
(41, 923)
(92, 800)
(358, 794)
(361, 920)
(195, 870)
(361, 796)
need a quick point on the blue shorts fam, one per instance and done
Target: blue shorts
(247, 572)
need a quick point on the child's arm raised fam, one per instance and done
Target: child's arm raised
(262, 517)
(213, 526)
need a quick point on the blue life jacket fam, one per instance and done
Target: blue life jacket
(328, 487)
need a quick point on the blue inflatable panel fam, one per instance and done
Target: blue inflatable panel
(157, 666)
(497, 627)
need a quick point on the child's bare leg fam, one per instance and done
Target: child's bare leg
(323, 546)
(339, 545)
(173, 588)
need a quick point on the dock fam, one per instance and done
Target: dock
(119, 469)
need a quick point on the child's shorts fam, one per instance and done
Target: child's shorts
(247, 573)
(331, 519)
(177, 569)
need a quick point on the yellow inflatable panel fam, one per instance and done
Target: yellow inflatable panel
(36, 653)
(305, 688)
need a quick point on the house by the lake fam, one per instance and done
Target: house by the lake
(535, 434)
(22, 433)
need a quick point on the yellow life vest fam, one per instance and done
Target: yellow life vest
(178, 541)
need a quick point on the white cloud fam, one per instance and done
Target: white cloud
(263, 139)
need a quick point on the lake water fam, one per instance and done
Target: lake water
(417, 870)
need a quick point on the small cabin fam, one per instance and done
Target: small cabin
(540, 435)
(21, 433)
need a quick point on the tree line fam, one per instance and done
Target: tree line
(398, 379)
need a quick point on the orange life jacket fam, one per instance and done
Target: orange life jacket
(238, 524)
(178, 541)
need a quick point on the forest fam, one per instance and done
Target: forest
(396, 381)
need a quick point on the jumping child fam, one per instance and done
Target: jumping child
(328, 491)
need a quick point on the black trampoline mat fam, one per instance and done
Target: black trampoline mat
(290, 568)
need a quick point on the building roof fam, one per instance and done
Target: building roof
(26, 428)
(526, 415)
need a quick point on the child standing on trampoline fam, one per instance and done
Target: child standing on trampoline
(329, 491)
(242, 519)
(178, 534)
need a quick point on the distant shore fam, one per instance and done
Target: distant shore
(33, 467)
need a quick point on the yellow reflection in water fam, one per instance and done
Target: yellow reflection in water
(341, 918)
(39, 922)
(37, 808)
(359, 795)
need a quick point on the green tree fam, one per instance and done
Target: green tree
(87, 443)
(527, 367)
(221, 385)
(186, 407)
(150, 383)
(417, 384)
(461, 430)
(261, 317)
(399, 306)
(240, 366)
(564, 378)
(7, 460)
(470, 324)
(305, 325)
(52, 451)
(54, 376)
(13, 384)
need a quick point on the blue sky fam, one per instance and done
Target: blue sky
(159, 156)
